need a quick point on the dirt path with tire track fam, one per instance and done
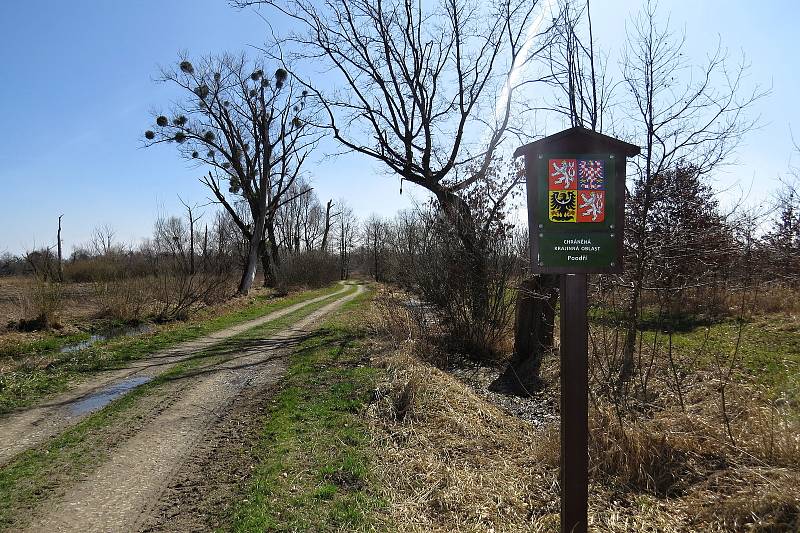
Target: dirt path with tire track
(28, 427)
(125, 493)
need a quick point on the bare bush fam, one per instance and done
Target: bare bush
(125, 300)
(177, 295)
(41, 303)
(313, 268)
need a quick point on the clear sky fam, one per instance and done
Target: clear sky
(77, 91)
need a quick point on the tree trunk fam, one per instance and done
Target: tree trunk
(324, 245)
(60, 257)
(375, 256)
(627, 365)
(249, 274)
(343, 251)
(270, 280)
(270, 258)
(460, 216)
(533, 327)
(205, 249)
(191, 244)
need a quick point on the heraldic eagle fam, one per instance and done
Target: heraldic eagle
(563, 205)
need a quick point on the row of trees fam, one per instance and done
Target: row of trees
(204, 241)
(435, 93)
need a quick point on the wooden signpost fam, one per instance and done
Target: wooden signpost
(576, 215)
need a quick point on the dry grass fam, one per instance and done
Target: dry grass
(452, 461)
(126, 300)
(78, 301)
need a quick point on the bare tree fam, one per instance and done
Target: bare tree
(783, 235)
(60, 254)
(102, 239)
(429, 90)
(682, 116)
(346, 238)
(253, 130)
(193, 218)
(375, 230)
(328, 218)
(579, 73)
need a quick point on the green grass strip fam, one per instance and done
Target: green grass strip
(313, 471)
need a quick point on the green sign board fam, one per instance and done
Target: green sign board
(576, 201)
(588, 249)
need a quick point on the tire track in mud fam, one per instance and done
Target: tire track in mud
(29, 427)
(129, 491)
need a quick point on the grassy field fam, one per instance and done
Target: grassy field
(31, 369)
(765, 347)
(768, 349)
(313, 469)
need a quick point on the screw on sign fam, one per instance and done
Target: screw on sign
(576, 203)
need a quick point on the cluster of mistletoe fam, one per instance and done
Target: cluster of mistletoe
(238, 120)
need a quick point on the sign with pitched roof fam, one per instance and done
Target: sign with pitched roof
(576, 201)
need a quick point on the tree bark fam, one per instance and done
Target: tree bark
(324, 245)
(249, 274)
(460, 216)
(533, 327)
(269, 257)
(205, 249)
(191, 243)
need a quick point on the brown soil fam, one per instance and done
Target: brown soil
(201, 491)
(26, 428)
(176, 469)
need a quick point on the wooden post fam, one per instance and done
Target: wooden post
(574, 474)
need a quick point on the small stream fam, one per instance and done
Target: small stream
(111, 333)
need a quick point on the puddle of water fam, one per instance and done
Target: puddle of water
(122, 331)
(105, 396)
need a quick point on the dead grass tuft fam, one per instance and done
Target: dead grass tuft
(748, 498)
(451, 461)
(657, 458)
(41, 302)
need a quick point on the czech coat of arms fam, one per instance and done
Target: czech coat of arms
(576, 190)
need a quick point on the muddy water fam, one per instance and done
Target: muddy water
(99, 399)
(123, 331)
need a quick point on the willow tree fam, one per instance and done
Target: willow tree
(251, 131)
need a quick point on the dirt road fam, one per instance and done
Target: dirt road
(128, 491)
(29, 427)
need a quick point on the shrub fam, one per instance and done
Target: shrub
(312, 268)
(41, 302)
(177, 295)
(126, 300)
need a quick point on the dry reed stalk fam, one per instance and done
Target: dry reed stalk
(449, 460)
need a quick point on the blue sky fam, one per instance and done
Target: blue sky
(77, 93)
